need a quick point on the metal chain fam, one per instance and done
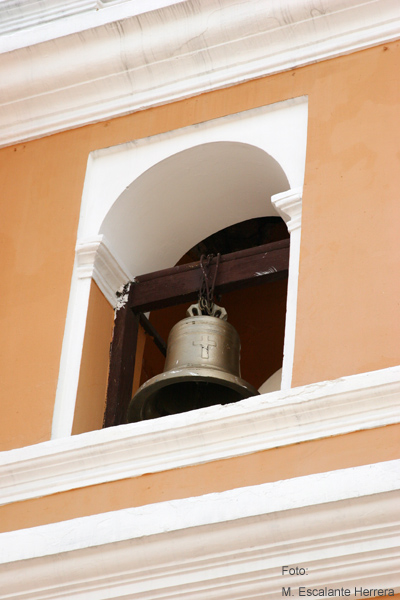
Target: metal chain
(206, 292)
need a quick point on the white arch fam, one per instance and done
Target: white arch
(187, 197)
(175, 189)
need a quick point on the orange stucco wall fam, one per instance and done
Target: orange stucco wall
(348, 308)
(90, 398)
(355, 449)
(348, 304)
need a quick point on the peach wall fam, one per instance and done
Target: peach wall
(356, 449)
(91, 395)
(348, 310)
(41, 185)
(348, 304)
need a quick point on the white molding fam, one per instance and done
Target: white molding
(31, 22)
(97, 260)
(18, 17)
(289, 206)
(105, 63)
(273, 420)
(342, 526)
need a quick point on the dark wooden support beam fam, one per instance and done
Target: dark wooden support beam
(246, 268)
(153, 333)
(122, 364)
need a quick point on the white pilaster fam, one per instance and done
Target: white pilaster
(289, 205)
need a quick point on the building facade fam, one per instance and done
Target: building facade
(130, 132)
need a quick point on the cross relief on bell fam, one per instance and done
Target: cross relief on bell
(202, 368)
(205, 344)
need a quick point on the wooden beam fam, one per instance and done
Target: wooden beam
(237, 270)
(153, 333)
(122, 364)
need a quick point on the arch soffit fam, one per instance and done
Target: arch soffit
(278, 130)
(187, 197)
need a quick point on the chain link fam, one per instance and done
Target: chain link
(206, 292)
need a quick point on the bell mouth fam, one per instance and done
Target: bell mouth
(183, 390)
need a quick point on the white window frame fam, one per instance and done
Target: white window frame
(280, 130)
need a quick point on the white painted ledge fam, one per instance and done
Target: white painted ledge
(342, 525)
(273, 420)
(114, 61)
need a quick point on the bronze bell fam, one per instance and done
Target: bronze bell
(202, 368)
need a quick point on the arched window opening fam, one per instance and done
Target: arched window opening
(147, 201)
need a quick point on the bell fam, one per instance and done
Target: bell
(202, 368)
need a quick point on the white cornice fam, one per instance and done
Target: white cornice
(114, 61)
(289, 206)
(20, 17)
(342, 526)
(278, 419)
(95, 259)
(30, 22)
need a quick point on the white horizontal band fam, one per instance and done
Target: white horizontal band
(273, 420)
(114, 61)
(227, 545)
